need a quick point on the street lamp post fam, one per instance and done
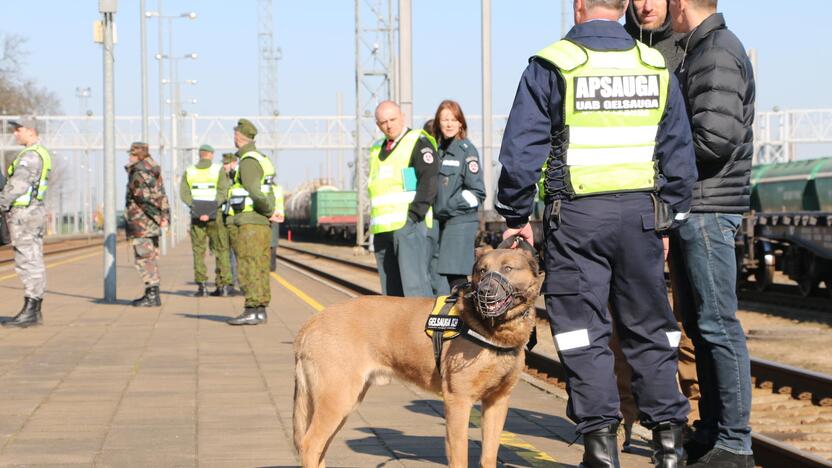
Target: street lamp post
(176, 218)
(160, 55)
(83, 95)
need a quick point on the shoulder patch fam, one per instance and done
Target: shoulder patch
(427, 157)
(473, 166)
(426, 150)
(471, 157)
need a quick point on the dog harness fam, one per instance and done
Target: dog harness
(445, 323)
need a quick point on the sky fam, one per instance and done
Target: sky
(317, 42)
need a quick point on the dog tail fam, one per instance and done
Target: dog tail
(303, 404)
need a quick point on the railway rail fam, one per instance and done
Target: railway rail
(810, 390)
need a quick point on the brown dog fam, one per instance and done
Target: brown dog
(348, 347)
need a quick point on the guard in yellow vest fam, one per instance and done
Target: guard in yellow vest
(600, 122)
(22, 198)
(204, 188)
(251, 202)
(402, 185)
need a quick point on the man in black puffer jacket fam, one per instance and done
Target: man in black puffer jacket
(718, 84)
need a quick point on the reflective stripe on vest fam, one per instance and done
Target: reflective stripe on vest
(43, 181)
(613, 103)
(238, 197)
(203, 182)
(389, 201)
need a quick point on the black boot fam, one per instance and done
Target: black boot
(28, 316)
(201, 290)
(250, 316)
(222, 291)
(150, 299)
(719, 458)
(601, 448)
(668, 450)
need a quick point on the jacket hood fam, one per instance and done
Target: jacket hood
(649, 37)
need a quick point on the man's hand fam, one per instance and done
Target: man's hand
(164, 223)
(665, 246)
(524, 232)
(204, 218)
(277, 218)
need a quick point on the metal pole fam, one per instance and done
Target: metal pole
(564, 17)
(406, 61)
(486, 106)
(174, 138)
(359, 163)
(145, 124)
(164, 240)
(339, 111)
(109, 160)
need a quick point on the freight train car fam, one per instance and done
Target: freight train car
(321, 213)
(790, 226)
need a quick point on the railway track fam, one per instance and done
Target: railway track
(794, 406)
(56, 246)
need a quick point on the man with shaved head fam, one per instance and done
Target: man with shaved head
(402, 185)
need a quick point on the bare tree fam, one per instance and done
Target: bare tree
(18, 94)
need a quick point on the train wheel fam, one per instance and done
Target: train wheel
(763, 277)
(808, 284)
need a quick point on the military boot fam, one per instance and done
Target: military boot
(28, 316)
(668, 450)
(601, 448)
(222, 291)
(150, 299)
(201, 289)
(250, 316)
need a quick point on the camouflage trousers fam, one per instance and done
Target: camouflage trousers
(213, 235)
(252, 245)
(26, 229)
(146, 253)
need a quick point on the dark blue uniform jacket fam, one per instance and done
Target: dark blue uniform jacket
(537, 113)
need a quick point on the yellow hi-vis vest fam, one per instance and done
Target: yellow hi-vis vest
(238, 197)
(203, 182)
(389, 201)
(43, 183)
(613, 103)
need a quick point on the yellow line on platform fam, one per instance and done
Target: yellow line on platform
(528, 452)
(297, 292)
(62, 262)
(521, 448)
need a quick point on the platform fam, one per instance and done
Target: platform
(111, 385)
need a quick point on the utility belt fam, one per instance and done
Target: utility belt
(663, 214)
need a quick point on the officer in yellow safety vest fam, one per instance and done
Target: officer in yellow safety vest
(402, 185)
(251, 201)
(600, 123)
(204, 188)
(22, 198)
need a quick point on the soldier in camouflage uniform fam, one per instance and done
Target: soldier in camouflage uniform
(229, 166)
(251, 200)
(23, 197)
(146, 214)
(204, 188)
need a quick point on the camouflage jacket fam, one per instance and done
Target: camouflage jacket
(147, 204)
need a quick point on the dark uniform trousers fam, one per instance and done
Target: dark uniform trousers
(402, 260)
(600, 249)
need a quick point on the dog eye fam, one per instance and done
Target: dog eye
(507, 269)
(483, 270)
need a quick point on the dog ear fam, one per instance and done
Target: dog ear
(482, 250)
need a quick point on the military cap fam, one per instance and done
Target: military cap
(246, 128)
(228, 158)
(25, 122)
(207, 148)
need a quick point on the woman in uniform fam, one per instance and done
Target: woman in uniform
(460, 192)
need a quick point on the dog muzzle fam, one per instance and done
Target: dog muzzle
(495, 295)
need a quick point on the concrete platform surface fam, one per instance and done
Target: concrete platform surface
(111, 385)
